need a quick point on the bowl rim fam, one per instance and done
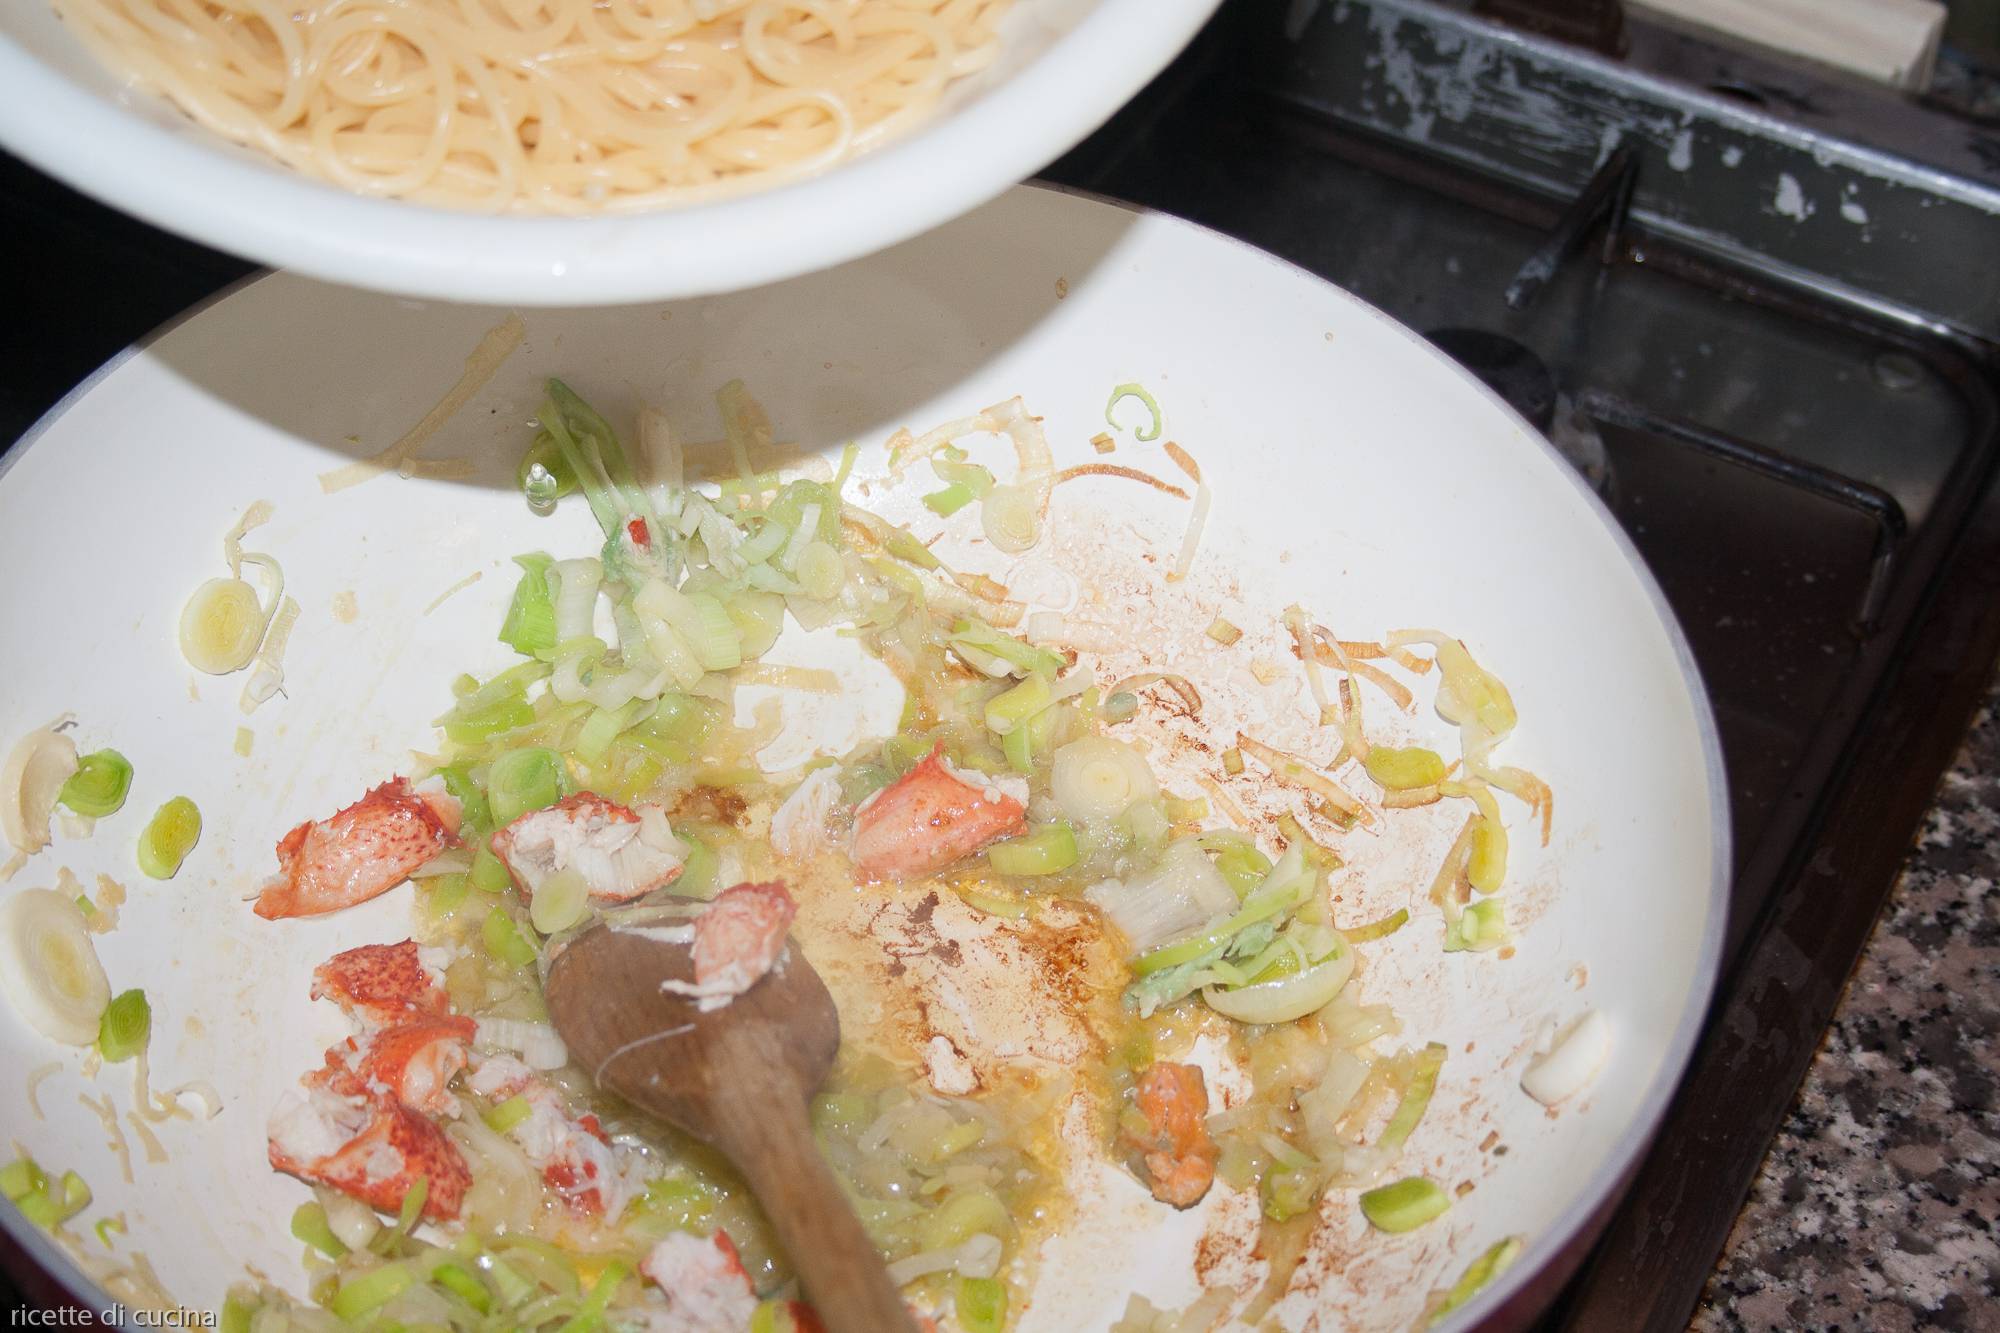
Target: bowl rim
(1552, 1246)
(196, 184)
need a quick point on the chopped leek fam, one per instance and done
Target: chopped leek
(1404, 770)
(20, 1178)
(509, 1113)
(99, 785)
(999, 654)
(504, 941)
(1405, 1205)
(1046, 850)
(463, 1285)
(125, 1027)
(698, 872)
(1135, 391)
(1097, 778)
(474, 815)
(410, 1210)
(1287, 1192)
(981, 1304)
(1495, 1261)
(168, 838)
(309, 1225)
(1416, 1097)
(949, 500)
(1241, 865)
(371, 1291)
(590, 1315)
(530, 626)
(1376, 930)
(524, 780)
(676, 729)
(471, 726)
(1018, 704)
(560, 902)
(1480, 927)
(1223, 632)
(819, 570)
(489, 872)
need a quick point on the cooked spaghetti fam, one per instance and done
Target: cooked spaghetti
(547, 106)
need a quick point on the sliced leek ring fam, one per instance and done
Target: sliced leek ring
(31, 781)
(49, 968)
(221, 626)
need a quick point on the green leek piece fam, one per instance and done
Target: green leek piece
(371, 1291)
(1486, 868)
(1376, 930)
(594, 739)
(474, 815)
(99, 785)
(412, 1208)
(105, 1228)
(530, 626)
(505, 942)
(1481, 926)
(235, 1316)
(981, 1303)
(560, 902)
(950, 499)
(981, 640)
(1405, 1205)
(544, 475)
(1237, 859)
(1286, 1193)
(20, 1178)
(124, 1027)
(682, 1203)
(168, 838)
(470, 726)
(1046, 850)
(967, 1213)
(309, 1225)
(463, 1285)
(1017, 705)
(1146, 435)
(698, 872)
(1416, 1096)
(513, 1287)
(509, 1113)
(444, 895)
(1495, 1261)
(590, 1315)
(1404, 770)
(1019, 747)
(521, 780)
(489, 872)
(676, 729)
(790, 506)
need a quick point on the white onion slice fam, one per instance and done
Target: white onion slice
(1569, 1064)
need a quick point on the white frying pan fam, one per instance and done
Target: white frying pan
(1353, 470)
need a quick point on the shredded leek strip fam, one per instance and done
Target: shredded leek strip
(1295, 624)
(1294, 771)
(1379, 929)
(1123, 391)
(1191, 540)
(34, 1082)
(743, 423)
(1446, 884)
(1184, 460)
(267, 675)
(494, 348)
(1115, 470)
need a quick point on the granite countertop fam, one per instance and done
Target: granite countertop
(1876, 1206)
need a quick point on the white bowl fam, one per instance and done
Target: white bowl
(1065, 67)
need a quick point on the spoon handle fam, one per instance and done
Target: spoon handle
(772, 1144)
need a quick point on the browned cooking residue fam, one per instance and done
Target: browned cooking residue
(711, 805)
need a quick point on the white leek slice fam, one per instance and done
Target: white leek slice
(49, 968)
(1096, 778)
(221, 626)
(36, 769)
(1569, 1064)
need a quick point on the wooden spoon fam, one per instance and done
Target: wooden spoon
(739, 1078)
